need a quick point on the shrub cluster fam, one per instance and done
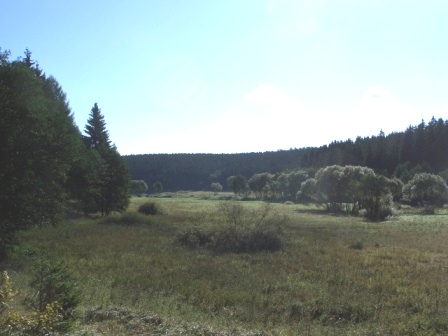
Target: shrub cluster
(247, 239)
(195, 238)
(149, 208)
(241, 231)
(53, 282)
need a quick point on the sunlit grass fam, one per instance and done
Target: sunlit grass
(336, 275)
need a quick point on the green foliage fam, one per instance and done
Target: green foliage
(138, 187)
(234, 213)
(249, 239)
(376, 198)
(308, 191)
(195, 238)
(149, 208)
(158, 187)
(114, 183)
(237, 184)
(105, 182)
(53, 282)
(338, 186)
(40, 143)
(105, 178)
(243, 231)
(257, 184)
(426, 188)
(275, 187)
(444, 175)
(88, 180)
(395, 186)
(97, 134)
(197, 171)
(6, 293)
(39, 322)
(249, 231)
(428, 209)
(294, 181)
(216, 187)
(417, 149)
(353, 189)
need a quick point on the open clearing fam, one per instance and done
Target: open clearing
(337, 275)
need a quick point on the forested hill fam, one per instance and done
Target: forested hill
(419, 148)
(198, 171)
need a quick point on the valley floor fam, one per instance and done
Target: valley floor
(335, 275)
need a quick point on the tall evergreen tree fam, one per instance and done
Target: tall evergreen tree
(105, 177)
(39, 142)
(116, 181)
(97, 134)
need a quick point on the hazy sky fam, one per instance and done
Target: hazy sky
(227, 76)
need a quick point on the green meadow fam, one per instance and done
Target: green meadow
(333, 275)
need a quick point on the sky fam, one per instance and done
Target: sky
(237, 76)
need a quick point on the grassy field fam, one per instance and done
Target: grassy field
(336, 275)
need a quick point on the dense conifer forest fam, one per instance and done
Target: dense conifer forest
(45, 161)
(421, 148)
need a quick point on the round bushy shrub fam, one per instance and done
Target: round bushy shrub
(149, 208)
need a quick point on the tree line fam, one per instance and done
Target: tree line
(198, 171)
(44, 159)
(421, 148)
(350, 189)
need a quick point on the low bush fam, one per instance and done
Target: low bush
(53, 282)
(428, 209)
(149, 208)
(248, 239)
(242, 231)
(51, 304)
(194, 238)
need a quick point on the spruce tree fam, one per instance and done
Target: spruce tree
(97, 135)
(106, 178)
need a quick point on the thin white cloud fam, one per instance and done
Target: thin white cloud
(295, 18)
(268, 119)
(272, 96)
(264, 119)
(378, 109)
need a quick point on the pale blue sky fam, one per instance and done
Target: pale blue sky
(225, 76)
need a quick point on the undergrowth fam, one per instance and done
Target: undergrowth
(334, 275)
(149, 208)
(238, 230)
